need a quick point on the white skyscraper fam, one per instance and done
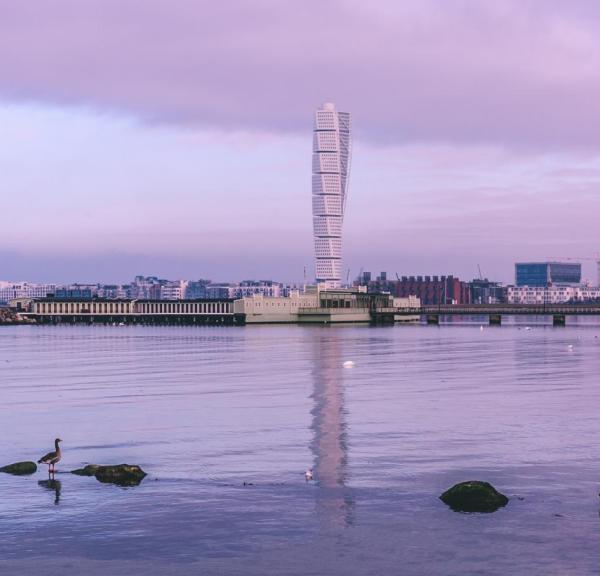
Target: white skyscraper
(330, 168)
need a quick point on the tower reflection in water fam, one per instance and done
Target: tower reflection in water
(329, 445)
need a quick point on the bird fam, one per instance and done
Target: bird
(308, 474)
(52, 457)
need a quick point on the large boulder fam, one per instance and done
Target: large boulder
(89, 470)
(120, 474)
(474, 496)
(20, 468)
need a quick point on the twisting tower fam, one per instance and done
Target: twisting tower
(330, 171)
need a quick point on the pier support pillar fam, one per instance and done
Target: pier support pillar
(559, 320)
(495, 320)
(433, 319)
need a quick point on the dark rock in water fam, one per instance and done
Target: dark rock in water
(20, 468)
(121, 474)
(474, 496)
(89, 470)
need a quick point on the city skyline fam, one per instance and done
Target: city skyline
(186, 153)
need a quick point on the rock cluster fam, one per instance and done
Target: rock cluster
(8, 316)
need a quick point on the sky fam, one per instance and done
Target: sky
(173, 138)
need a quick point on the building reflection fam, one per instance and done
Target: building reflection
(329, 445)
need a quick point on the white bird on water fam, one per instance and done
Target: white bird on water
(348, 364)
(308, 474)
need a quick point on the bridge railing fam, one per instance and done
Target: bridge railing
(507, 309)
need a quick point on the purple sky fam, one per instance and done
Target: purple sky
(173, 138)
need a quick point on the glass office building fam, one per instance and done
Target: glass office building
(547, 273)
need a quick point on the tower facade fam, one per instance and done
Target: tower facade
(330, 172)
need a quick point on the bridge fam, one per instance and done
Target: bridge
(222, 312)
(495, 312)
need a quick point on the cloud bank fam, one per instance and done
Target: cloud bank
(517, 73)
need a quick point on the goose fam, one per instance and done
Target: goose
(52, 457)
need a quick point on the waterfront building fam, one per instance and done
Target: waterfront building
(145, 287)
(483, 291)
(330, 175)
(551, 294)
(118, 311)
(77, 291)
(196, 289)
(112, 291)
(434, 289)
(250, 287)
(217, 291)
(174, 290)
(259, 308)
(320, 305)
(547, 273)
(428, 289)
(14, 290)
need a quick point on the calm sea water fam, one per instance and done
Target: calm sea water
(205, 410)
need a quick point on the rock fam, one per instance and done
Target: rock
(121, 474)
(20, 468)
(474, 496)
(89, 470)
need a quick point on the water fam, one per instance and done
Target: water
(205, 410)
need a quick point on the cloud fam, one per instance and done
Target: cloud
(85, 190)
(517, 73)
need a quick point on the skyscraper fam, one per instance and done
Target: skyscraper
(330, 172)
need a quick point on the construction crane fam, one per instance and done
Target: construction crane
(596, 257)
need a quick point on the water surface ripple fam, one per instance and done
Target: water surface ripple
(226, 420)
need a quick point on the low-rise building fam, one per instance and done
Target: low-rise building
(12, 290)
(173, 290)
(432, 289)
(318, 305)
(258, 308)
(552, 294)
(484, 291)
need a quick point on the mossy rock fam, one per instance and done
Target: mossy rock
(20, 468)
(121, 474)
(474, 496)
(89, 470)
